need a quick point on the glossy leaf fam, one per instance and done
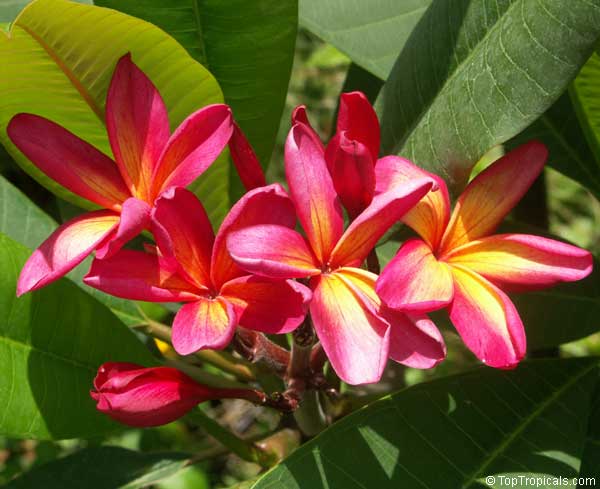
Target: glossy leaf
(481, 72)
(591, 452)
(569, 153)
(371, 33)
(51, 344)
(585, 94)
(103, 468)
(453, 432)
(27, 224)
(247, 45)
(57, 62)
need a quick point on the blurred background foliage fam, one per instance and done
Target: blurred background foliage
(319, 72)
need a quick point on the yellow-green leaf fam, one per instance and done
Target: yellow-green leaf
(57, 61)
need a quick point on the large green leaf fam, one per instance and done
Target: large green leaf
(247, 45)
(591, 453)
(585, 93)
(103, 468)
(473, 74)
(371, 33)
(9, 9)
(51, 344)
(57, 62)
(453, 432)
(24, 222)
(559, 129)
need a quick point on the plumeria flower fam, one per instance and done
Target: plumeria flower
(356, 331)
(142, 397)
(192, 265)
(459, 262)
(352, 152)
(148, 160)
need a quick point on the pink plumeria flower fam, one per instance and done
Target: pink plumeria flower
(352, 152)
(356, 331)
(192, 266)
(459, 263)
(148, 160)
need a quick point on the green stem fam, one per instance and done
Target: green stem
(204, 377)
(310, 416)
(240, 369)
(243, 449)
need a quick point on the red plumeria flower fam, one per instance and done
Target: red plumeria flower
(192, 265)
(143, 397)
(148, 160)
(352, 153)
(458, 263)
(356, 331)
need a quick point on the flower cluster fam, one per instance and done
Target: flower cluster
(260, 270)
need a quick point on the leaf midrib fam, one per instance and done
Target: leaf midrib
(524, 424)
(76, 82)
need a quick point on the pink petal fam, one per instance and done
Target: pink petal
(312, 191)
(270, 306)
(137, 124)
(206, 323)
(299, 117)
(414, 280)
(354, 336)
(364, 232)
(430, 216)
(184, 234)
(358, 119)
(267, 205)
(492, 194)
(135, 217)
(486, 320)
(193, 147)
(352, 171)
(66, 248)
(140, 276)
(414, 340)
(521, 259)
(245, 160)
(70, 161)
(272, 251)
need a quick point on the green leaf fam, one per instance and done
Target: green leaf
(585, 94)
(247, 45)
(51, 344)
(591, 453)
(57, 62)
(559, 129)
(103, 468)
(453, 432)
(24, 222)
(473, 74)
(9, 9)
(370, 33)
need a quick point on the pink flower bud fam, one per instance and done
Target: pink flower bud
(142, 397)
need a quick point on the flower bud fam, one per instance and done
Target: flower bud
(142, 397)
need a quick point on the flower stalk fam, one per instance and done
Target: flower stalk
(245, 450)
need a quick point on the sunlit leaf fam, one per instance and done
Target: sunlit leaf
(453, 432)
(57, 62)
(51, 344)
(474, 74)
